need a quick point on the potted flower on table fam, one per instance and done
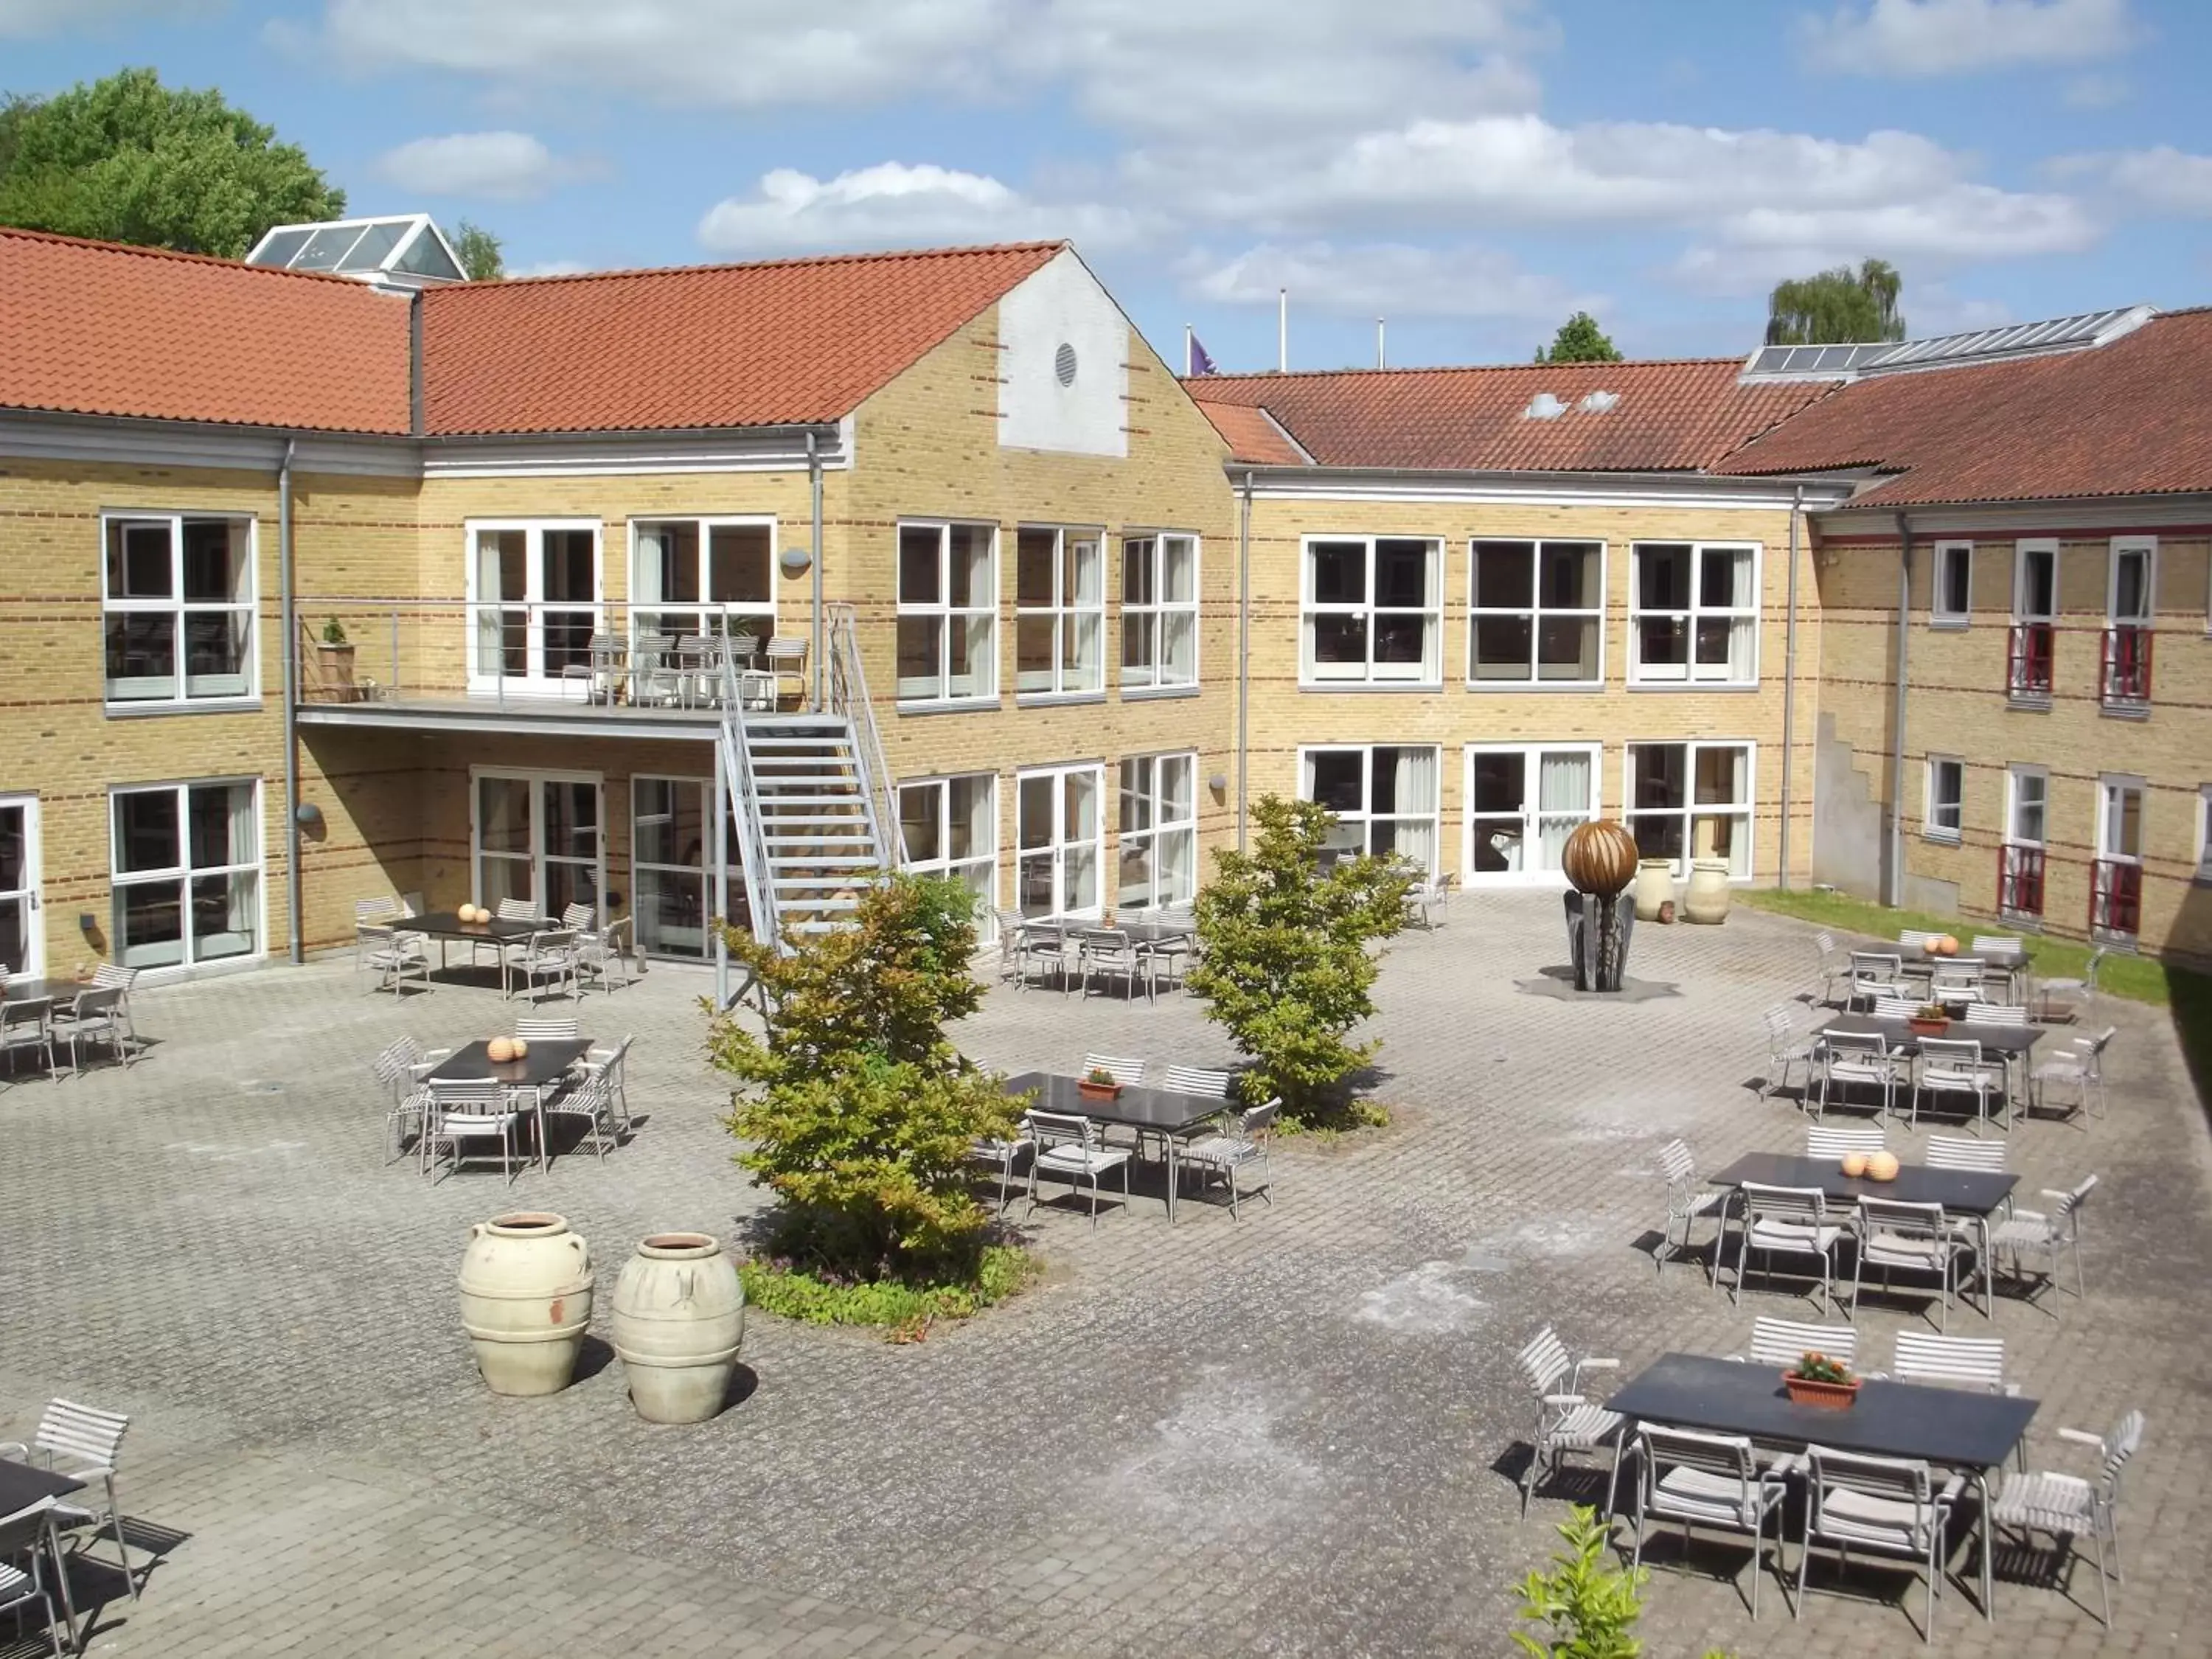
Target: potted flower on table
(1098, 1084)
(1931, 1020)
(1817, 1380)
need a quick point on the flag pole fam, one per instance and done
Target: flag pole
(1185, 351)
(1379, 362)
(1282, 331)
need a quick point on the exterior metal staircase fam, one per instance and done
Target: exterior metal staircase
(811, 798)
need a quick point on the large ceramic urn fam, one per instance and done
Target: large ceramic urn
(525, 1300)
(1706, 898)
(1599, 858)
(679, 1316)
(1654, 886)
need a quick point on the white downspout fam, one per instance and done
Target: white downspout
(296, 936)
(1789, 682)
(1243, 655)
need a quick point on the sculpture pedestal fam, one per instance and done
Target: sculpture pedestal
(1598, 931)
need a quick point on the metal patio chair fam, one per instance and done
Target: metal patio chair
(2081, 1065)
(2085, 988)
(1880, 1505)
(1242, 1147)
(1895, 1237)
(368, 914)
(592, 1101)
(1896, 1007)
(1875, 974)
(1686, 1205)
(23, 1537)
(2050, 1234)
(1003, 1155)
(1823, 1141)
(1976, 1362)
(1110, 953)
(395, 957)
(2070, 1507)
(1783, 1342)
(1068, 1149)
(27, 1022)
(1831, 962)
(612, 1064)
(1130, 1073)
(1864, 1057)
(561, 1028)
(2008, 973)
(603, 954)
(1566, 1420)
(1196, 1080)
(1710, 1480)
(107, 973)
(92, 1016)
(1954, 1066)
(550, 956)
(1788, 1044)
(82, 1442)
(460, 1114)
(1787, 1221)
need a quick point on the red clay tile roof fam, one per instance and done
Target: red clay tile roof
(795, 341)
(1253, 435)
(2123, 419)
(91, 328)
(1671, 416)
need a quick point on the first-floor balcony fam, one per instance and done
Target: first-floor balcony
(2123, 672)
(2019, 880)
(2116, 898)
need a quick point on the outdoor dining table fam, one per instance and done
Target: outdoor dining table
(445, 925)
(1166, 1113)
(538, 1071)
(29, 990)
(1956, 1429)
(2011, 1044)
(1961, 1192)
(2010, 961)
(22, 1485)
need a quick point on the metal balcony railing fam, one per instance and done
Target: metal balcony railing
(2116, 897)
(2019, 880)
(2028, 657)
(2124, 675)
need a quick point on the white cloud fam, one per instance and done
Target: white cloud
(2095, 92)
(1955, 37)
(1385, 279)
(893, 204)
(503, 166)
(23, 19)
(2163, 180)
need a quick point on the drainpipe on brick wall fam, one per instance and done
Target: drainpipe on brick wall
(1243, 652)
(1896, 882)
(1789, 682)
(297, 937)
(814, 484)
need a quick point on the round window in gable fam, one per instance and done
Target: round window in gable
(1063, 363)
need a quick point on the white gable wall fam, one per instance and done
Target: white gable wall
(1063, 306)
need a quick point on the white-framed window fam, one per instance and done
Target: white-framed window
(177, 596)
(2131, 595)
(949, 827)
(671, 855)
(1692, 800)
(1385, 796)
(1951, 603)
(1693, 614)
(1158, 844)
(2035, 581)
(536, 838)
(1537, 611)
(1159, 613)
(535, 593)
(1523, 799)
(1060, 612)
(948, 612)
(1373, 611)
(23, 928)
(2119, 818)
(1060, 840)
(184, 872)
(703, 576)
(1943, 813)
(2204, 832)
(2028, 802)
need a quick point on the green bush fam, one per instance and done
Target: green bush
(861, 1112)
(1285, 962)
(1585, 1604)
(819, 1298)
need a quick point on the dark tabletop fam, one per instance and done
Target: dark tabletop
(1133, 1107)
(22, 1486)
(1957, 1428)
(1142, 933)
(2005, 1040)
(1964, 1192)
(548, 1060)
(29, 990)
(444, 924)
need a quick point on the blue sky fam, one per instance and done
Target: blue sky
(1472, 169)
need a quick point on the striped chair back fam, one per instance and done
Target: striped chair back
(107, 973)
(1051, 1129)
(1895, 1007)
(1196, 1080)
(1950, 1152)
(1726, 1456)
(581, 917)
(2070, 1206)
(1963, 1362)
(1825, 1142)
(375, 909)
(1957, 976)
(1676, 1163)
(1995, 943)
(1830, 1475)
(1780, 1020)
(1916, 939)
(1997, 1013)
(1129, 1072)
(84, 1432)
(1794, 1206)
(1950, 1060)
(2119, 1446)
(519, 909)
(1544, 1362)
(548, 1031)
(1786, 1341)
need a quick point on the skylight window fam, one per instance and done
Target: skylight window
(404, 250)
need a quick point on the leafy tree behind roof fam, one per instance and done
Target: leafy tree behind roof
(128, 160)
(480, 252)
(1580, 340)
(1840, 306)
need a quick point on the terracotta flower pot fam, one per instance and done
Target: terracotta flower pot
(1922, 1026)
(1090, 1090)
(1831, 1397)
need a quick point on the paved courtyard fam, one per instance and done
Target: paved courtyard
(1293, 1434)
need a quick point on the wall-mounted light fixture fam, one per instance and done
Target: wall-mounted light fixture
(797, 561)
(1219, 783)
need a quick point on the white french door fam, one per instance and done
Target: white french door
(535, 594)
(23, 928)
(1522, 800)
(536, 837)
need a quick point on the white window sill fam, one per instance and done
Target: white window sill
(1370, 685)
(1150, 693)
(1535, 685)
(1942, 837)
(1950, 624)
(1055, 698)
(127, 711)
(949, 705)
(1636, 684)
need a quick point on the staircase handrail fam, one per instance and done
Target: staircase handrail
(760, 879)
(848, 696)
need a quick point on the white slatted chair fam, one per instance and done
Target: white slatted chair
(1787, 1045)
(1895, 1237)
(1956, 979)
(613, 1064)
(1954, 1066)
(92, 1016)
(1975, 1362)
(1999, 1013)
(1832, 963)
(2007, 945)
(605, 956)
(23, 1537)
(1068, 1149)
(509, 909)
(1875, 974)
(1109, 954)
(1895, 1007)
(107, 973)
(558, 1029)
(1244, 1147)
(1566, 1421)
(369, 913)
(550, 957)
(400, 1069)
(2069, 1507)
(1864, 1057)
(1003, 1155)
(2051, 1234)
(1822, 1141)
(579, 918)
(1916, 939)
(1949, 1152)
(1686, 1205)
(394, 957)
(1711, 1480)
(1786, 1221)
(1196, 1080)
(1880, 1505)
(28, 1023)
(2084, 987)
(1783, 1342)
(1130, 1073)
(82, 1442)
(591, 1102)
(2079, 1066)
(465, 1114)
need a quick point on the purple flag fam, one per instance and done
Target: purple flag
(1199, 362)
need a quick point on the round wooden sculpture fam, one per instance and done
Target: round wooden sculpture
(1600, 857)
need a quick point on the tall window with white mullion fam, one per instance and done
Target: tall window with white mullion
(1158, 842)
(1384, 797)
(947, 612)
(1058, 840)
(1159, 612)
(1689, 800)
(949, 827)
(1944, 818)
(1694, 613)
(2029, 788)
(1060, 612)
(673, 855)
(534, 602)
(185, 873)
(2035, 582)
(1373, 613)
(1951, 603)
(177, 604)
(1538, 609)
(703, 576)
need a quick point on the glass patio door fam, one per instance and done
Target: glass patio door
(533, 606)
(672, 867)
(536, 838)
(1522, 802)
(23, 934)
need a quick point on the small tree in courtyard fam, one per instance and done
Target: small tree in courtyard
(1284, 963)
(862, 1114)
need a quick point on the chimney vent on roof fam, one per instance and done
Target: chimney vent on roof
(1543, 407)
(1598, 402)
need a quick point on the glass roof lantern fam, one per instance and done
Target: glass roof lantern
(402, 252)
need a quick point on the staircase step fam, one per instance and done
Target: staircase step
(827, 861)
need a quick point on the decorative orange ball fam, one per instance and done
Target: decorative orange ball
(1947, 946)
(500, 1050)
(1881, 1166)
(1600, 857)
(1855, 1164)
(517, 1047)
